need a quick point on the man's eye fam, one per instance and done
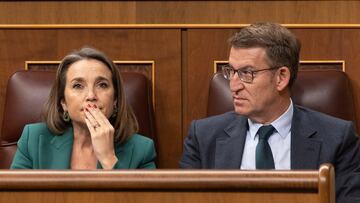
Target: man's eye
(246, 72)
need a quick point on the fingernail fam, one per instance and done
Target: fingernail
(95, 106)
(89, 105)
(86, 109)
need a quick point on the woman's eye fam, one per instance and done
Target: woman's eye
(103, 85)
(76, 86)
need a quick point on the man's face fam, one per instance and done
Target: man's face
(253, 99)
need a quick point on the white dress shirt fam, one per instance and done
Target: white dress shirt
(279, 142)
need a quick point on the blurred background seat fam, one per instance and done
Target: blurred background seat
(27, 91)
(327, 91)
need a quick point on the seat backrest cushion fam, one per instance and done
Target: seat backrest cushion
(26, 93)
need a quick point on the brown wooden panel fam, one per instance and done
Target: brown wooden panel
(57, 12)
(168, 186)
(159, 45)
(322, 65)
(81, 12)
(159, 197)
(236, 12)
(204, 46)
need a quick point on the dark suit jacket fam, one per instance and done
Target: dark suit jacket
(218, 142)
(38, 148)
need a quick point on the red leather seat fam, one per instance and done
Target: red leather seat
(27, 91)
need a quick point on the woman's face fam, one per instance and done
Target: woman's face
(88, 82)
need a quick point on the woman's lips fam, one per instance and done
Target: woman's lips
(99, 108)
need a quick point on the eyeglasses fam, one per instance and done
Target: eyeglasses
(245, 74)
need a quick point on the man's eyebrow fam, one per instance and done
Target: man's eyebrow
(246, 67)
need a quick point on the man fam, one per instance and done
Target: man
(267, 131)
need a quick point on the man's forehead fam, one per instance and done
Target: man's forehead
(247, 56)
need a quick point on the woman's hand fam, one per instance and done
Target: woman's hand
(102, 136)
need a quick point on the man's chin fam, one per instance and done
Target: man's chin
(241, 111)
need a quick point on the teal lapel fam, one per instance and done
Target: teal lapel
(57, 154)
(124, 153)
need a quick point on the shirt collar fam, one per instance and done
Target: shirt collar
(282, 124)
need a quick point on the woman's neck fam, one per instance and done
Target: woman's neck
(82, 136)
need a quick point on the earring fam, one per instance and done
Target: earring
(115, 111)
(66, 116)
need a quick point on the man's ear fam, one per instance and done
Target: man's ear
(283, 78)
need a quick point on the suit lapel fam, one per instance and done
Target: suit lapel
(305, 147)
(124, 153)
(58, 154)
(229, 147)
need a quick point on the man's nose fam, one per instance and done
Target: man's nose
(236, 83)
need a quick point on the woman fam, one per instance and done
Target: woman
(88, 123)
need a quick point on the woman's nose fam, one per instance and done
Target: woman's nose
(91, 95)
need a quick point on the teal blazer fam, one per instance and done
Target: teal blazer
(38, 148)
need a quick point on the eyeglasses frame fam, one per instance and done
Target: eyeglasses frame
(242, 71)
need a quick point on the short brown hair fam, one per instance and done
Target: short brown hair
(282, 47)
(124, 123)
